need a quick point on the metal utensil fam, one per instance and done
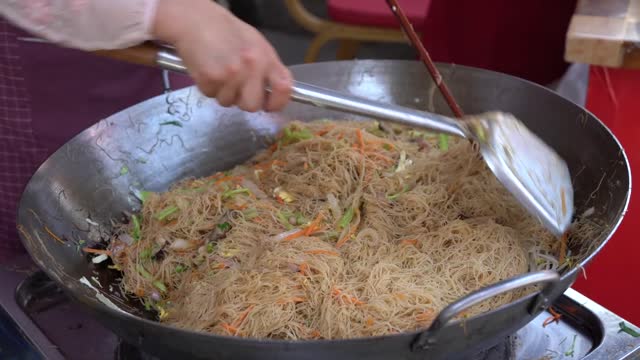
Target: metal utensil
(530, 169)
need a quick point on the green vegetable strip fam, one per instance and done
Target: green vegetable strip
(300, 219)
(142, 271)
(180, 268)
(145, 254)
(250, 213)
(443, 142)
(225, 226)
(571, 350)
(628, 330)
(346, 218)
(174, 123)
(230, 193)
(136, 228)
(290, 135)
(166, 212)
(160, 286)
(284, 220)
(144, 195)
(395, 196)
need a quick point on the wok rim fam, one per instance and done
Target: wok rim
(81, 293)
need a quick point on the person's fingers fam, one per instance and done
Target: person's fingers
(209, 79)
(252, 93)
(280, 80)
(229, 92)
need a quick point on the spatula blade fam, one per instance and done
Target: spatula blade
(529, 168)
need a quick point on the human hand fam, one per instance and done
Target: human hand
(227, 58)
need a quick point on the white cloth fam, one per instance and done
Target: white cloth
(84, 24)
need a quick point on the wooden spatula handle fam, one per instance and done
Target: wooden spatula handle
(143, 54)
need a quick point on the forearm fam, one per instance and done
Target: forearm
(84, 24)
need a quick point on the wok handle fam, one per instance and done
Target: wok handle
(150, 54)
(426, 339)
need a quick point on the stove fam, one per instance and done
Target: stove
(38, 321)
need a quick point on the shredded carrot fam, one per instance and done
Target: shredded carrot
(214, 176)
(139, 292)
(230, 328)
(243, 316)
(322, 252)
(170, 223)
(344, 240)
(304, 269)
(96, 251)
(295, 235)
(400, 296)
(314, 226)
(555, 317)
(305, 165)
(237, 207)
(337, 293)
(563, 248)
(369, 321)
(354, 300)
(340, 135)
(273, 147)
(221, 266)
(310, 229)
(381, 157)
(360, 139)
(228, 178)
(383, 142)
(295, 300)
(427, 315)
(315, 334)
(406, 242)
(325, 130)
(56, 238)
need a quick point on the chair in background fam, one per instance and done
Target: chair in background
(354, 21)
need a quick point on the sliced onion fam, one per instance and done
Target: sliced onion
(283, 235)
(117, 247)
(227, 262)
(335, 207)
(180, 244)
(126, 238)
(155, 296)
(590, 211)
(255, 190)
(293, 267)
(100, 258)
(161, 241)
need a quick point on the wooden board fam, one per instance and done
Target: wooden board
(606, 33)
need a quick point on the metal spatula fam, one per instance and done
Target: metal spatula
(532, 171)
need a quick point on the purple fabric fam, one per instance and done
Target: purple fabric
(47, 95)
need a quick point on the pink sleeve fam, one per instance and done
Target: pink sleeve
(84, 24)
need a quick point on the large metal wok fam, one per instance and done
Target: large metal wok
(75, 195)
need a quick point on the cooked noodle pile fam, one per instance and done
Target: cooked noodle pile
(340, 230)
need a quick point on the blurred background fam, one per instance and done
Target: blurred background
(319, 30)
